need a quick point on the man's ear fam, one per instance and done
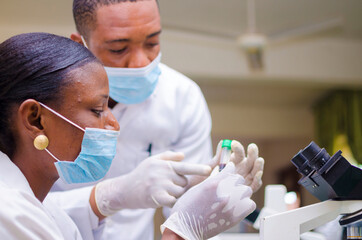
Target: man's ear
(76, 37)
(30, 113)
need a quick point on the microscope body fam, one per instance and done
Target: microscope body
(328, 177)
(335, 182)
(332, 178)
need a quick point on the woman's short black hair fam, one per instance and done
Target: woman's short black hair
(35, 66)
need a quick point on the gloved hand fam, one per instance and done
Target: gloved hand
(158, 181)
(250, 166)
(211, 207)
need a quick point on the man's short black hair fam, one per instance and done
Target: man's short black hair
(84, 13)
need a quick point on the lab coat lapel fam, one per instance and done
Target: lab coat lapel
(129, 114)
(11, 175)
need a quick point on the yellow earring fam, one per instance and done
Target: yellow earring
(41, 142)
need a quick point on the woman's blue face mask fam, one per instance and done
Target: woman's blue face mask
(97, 152)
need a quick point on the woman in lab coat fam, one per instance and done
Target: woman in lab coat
(54, 122)
(41, 75)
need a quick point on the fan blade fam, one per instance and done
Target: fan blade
(305, 31)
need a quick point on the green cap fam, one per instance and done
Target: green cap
(226, 143)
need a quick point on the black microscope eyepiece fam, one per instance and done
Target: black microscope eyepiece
(302, 164)
(317, 156)
(311, 151)
(311, 157)
(328, 177)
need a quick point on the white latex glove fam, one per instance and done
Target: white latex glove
(250, 167)
(211, 207)
(157, 181)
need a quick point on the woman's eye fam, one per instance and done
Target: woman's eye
(97, 112)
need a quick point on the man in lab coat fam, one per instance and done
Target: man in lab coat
(159, 110)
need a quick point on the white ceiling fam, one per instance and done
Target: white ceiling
(223, 18)
(228, 17)
(297, 72)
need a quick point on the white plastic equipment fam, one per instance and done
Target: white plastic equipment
(291, 224)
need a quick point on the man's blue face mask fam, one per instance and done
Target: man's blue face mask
(97, 152)
(132, 85)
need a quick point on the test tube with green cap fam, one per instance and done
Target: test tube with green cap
(225, 153)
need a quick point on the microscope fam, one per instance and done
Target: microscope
(331, 179)
(328, 177)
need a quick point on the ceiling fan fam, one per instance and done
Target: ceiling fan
(254, 43)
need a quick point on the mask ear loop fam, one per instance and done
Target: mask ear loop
(65, 119)
(51, 155)
(61, 116)
(83, 40)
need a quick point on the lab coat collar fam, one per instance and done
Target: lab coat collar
(11, 175)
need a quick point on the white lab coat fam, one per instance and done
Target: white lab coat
(23, 216)
(175, 117)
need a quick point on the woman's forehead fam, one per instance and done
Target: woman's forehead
(87, 81)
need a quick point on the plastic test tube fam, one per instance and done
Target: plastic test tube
(225, 153)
